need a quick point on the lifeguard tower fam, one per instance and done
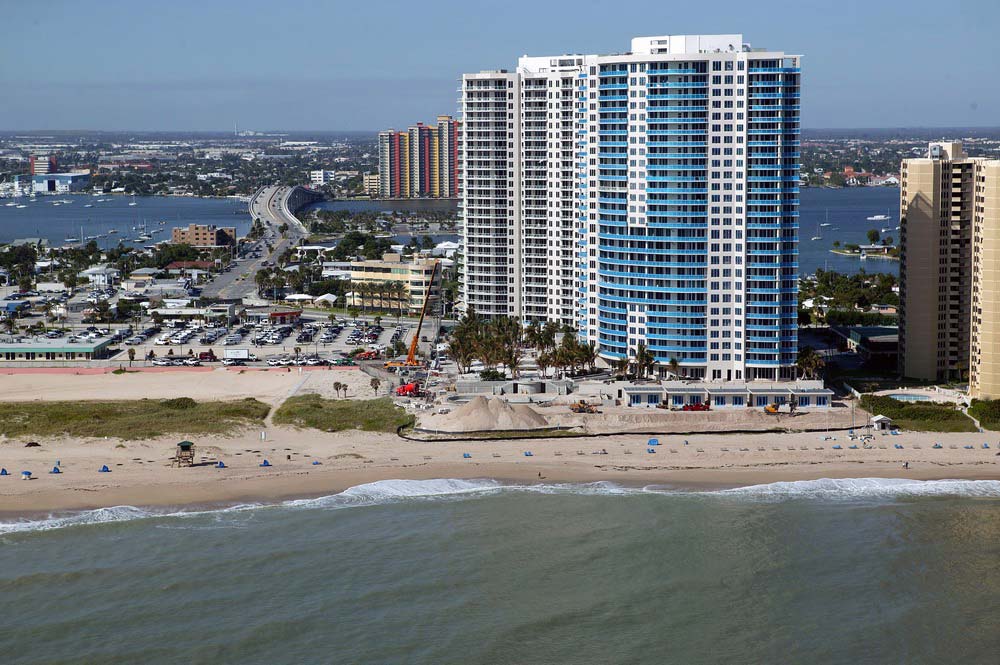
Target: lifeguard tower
(184, 455)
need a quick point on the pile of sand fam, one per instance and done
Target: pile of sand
(483, 415)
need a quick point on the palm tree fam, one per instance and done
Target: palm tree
(337, 385)
(809, 362)
(675, 367)
(644, 360)
(544, 361)
(131, 355)
(375, 383)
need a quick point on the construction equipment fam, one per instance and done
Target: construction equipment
(409, 390)
(582, 407)
(411, 357)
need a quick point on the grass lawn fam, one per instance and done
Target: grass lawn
(334, 415)
(129, 419)
(919, 416)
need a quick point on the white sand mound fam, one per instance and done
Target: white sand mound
(482, 414)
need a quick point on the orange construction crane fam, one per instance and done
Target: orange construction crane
(411, 357)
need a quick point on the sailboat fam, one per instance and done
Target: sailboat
(818, 236)
(133, 203)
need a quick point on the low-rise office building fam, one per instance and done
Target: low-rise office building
(413, 278)
(204, 235)
(59, 183)
(42, 349)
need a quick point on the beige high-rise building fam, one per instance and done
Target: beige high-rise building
(935, 208)
(984, 365)
(949, 273)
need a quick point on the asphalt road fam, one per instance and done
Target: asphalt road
(270, 207)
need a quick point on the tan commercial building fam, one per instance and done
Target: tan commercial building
(203, 235)
(391, 284)
(949, 270)
(371, 183)
(984, 365)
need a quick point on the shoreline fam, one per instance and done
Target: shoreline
(142, 478)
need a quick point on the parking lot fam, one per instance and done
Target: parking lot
(317, 343)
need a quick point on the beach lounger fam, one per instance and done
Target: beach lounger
(854, 447)
(789, 447)
(265, 463)
(803, 447)
(839, 447)
(760, 449)
(986, 446)
(528, 453)
(725, 450)
(466, 456)
(744, 450)
(496, 454)
(628, 452)
(967, 447)
(916, 447)
(881, 447)
(937, 446)
(427, 457)
(558, 454)
(818, 448)
(580, 452)
(673, 450)
(654, 442)
(898, 446)
(700, 450)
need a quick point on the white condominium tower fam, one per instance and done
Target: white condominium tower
(645, 197)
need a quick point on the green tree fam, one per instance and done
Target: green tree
(873, 236)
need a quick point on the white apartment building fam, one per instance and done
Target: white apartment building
(647, 197)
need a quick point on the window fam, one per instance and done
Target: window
(803, 400)
(720, 400)
(820, 400)
(737, 399)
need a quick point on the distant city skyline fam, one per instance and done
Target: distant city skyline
(306, 65)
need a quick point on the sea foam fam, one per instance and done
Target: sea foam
(455, 489)
(862, 488)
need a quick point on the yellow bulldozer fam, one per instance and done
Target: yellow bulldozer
(582, 407)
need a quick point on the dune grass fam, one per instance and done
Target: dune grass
(919, 416)
(335, 415)
(129, 419)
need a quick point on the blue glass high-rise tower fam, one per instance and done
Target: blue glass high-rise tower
(686, 159)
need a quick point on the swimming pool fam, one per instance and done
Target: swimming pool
(909, 397)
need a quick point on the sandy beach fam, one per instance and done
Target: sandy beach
(141, 474)
(313, 463)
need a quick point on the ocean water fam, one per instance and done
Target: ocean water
(456, 571)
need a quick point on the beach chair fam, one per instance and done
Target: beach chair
(3, 472)
(55, 469)
(897, 446)
(316, 462)
(654, 442)
(265, 463)
(26, 475)
(968, 447)
(466, 456)
(104, 469)
(937, 446)
(854, 447)
(838, 447)
(650, 450)
(528, 453)
(220, 465)
(986, 446)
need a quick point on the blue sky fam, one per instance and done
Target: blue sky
(366, 65)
